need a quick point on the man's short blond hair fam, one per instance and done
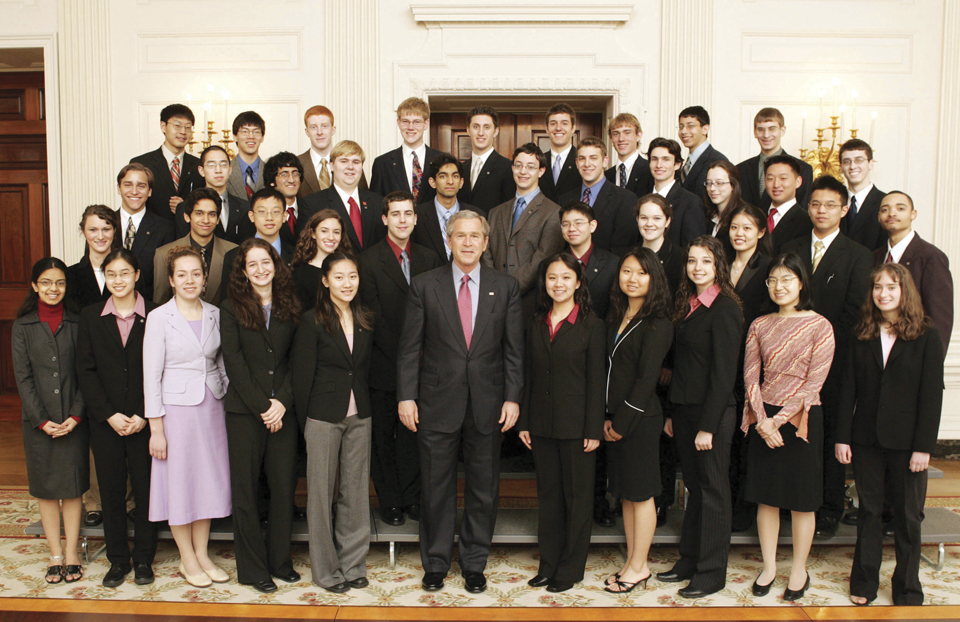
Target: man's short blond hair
(414, 105)
(346, 148)
(624, 119)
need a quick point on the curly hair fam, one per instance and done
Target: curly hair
(246, 302)
(657, 301)
(328, 313)
(307, 246)
(107, 215)
(687, 288)
(912, 322)
(177, 252)
(580, 297)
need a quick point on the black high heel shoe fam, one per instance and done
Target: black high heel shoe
(762, 590)
(627, 587)
(792, 595)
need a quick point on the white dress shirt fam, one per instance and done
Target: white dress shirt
(666, 189)
(407, 153)
(628, 164)
(126, 217)
(344, 197)
(897, 251)
(827, 241)
(562, 155)
(782, 210)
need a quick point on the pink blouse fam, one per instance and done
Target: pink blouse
(795, 354)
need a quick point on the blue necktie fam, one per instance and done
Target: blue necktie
(518, 211)
(557, 165)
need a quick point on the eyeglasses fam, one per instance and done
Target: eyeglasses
(859, 161)
(417, 123)
(830, 205)
(567, 224)
(48, 283)
(247, 133)
(288, 175)
(718, 184)
(530, 168)
(213, 166)
(263, 213)
(180, 127)
(123, 274)
(786, 281)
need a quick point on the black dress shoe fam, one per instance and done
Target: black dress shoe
(672, 576)
(617, 510)
(132, 515)
(695, 592)
(142, 574)
(292, 577)
(850, 518)
(888, 529)
(559, 586)
(392, 516)
(92, 519)
(762, 590)
(474, 582)
(413, 511)
(661, 517)
(433, 581)
(339, 588)
(116, 575)
(792, 595)
(359, 583)
(827, 527)
(538, 581)
(603, 517)
(265, 587)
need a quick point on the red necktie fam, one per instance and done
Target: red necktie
(465, 306)
(355, 219)
(586, 196)
(770, 222)
(889, 257)
(291, 219)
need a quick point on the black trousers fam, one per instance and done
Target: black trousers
(668, 456)
(117, 458)
(395, 463)
(600, 477)
(438, 472)
(705, 536)
(744, 512)
(834, 473)
(876, 469)
(251, 446)
(565, 496)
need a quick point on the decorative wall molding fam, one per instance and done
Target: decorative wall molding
(830, 52)
(456, 12)
(213, 52)
(686, 68)
(620, 87)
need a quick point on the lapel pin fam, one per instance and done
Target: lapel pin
(491, 293)
(829, 277)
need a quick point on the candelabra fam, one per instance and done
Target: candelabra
(826, 160)
(210, 132)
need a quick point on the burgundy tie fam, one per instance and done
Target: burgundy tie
(889, 257)
(771, 223)
(291, 220)
(465, 306)
(586, 196)
(355, 219)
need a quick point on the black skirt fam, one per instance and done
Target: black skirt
(788, 477)
(633, 462)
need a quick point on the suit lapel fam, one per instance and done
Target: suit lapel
(602, 201)
(181, 324)
(209, 326)
(698, 165)
(110, 320)
(896, 350)
(745, 277)
(447, 297)
(877, 351)
(398, 170)
(433, 228)
(216, 265)
(544, 331)
(166, 181)
(484, 306)
(341, 340)
(310, 174)
(486, 170)
(830, 257)
(527, 214)
(752, 180)
(391, 266)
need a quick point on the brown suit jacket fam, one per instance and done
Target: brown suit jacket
(311, 181)
(213, 291)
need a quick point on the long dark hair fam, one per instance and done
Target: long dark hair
(31, 302)
(307, 247)
(581, 297)
(736, 195)
(657, 301)
(764, 244)
(328, 313)
(912, 322)
(721, 268)
(792, 263)
(246, 302)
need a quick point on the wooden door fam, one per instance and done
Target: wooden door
(24, 210)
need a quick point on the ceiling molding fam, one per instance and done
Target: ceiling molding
(487, 12)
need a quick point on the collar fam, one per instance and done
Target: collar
(139, 308)
(897, 251)
(562, 155)
(696, 153)
(827, 241)
(397, 250)
(528, 197)
(407, 152)
(764, 157)
(483, 157)
(628, 163)
(276, 244)
(344, 196)
(706, 299)
(318, 159)
(570, 319)
(169, 156)
(458, 273)
(585, 258)
(595, 188)
(783, 209)
(255, 165)
(441, 210)
(296, 208)
(666, 189)
(862, 196)
(126, 217)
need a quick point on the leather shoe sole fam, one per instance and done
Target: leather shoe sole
(538, 581)
(116, 576)
(293, 577)
(474, 582)
(433, 581)
(359, 583)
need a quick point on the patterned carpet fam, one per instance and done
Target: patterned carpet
(23, 561)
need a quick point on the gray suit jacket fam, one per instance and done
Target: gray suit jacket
(235, 184)
(161, 284)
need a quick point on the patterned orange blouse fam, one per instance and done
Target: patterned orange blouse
(795, 353)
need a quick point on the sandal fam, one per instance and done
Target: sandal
(55, 570)
(612, 579)
(72, 570)
(863, 604)
(625, 586)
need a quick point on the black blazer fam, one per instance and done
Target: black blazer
(698, 174)
(371, 210)
(866, 229)
(428, 233)
(674, 261)
(635, 361)
(383, 290)
(639, 179)
(568, 181)
(82, 284)
(754, 192)
(617, 230)
(257, 362)
(930, 269)
(688, 220)
(705, 363)
(286, 256)
(153, 233)
(563, 391)
(601, 273)
(495, 183)
(796, 224)
(897, 406)
(110, 375)
(434, 365)
(753, 291)
(326, 371)
(238, 227)
(389, 174)
(163, 189)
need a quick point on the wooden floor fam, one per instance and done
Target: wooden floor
(13, 473)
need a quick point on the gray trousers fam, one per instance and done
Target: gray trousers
(338, 548)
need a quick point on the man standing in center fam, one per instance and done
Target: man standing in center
(460, 379)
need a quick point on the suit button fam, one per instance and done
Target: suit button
(349, 373)
(53, 358)
(55, 374)
(56, 391)
(270, 372)
(269, 350)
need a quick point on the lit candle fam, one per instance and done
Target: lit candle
(208, 107)
(843, 111)
(873, 125)
(206, 115)
(836, 85)
(803, 127)
(820, 118)
(226, 113)
(854, 123)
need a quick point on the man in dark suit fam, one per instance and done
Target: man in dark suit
(142, 231)
(525, 230)
(769, 129)
(786, 218)
(317, 169)
(175, 172)
(694, 127)
(360, 209)
(840, 274)
(284, 172)
(688, 219)
(631, 171)
(234, 225)
(268, 219)
(861, 223)
(405, 167)
(385, 272)
(460, 379)
(616, 229)
(562, 174)
(487, 176)
(928, 265)
(246, 174)
(444, 178)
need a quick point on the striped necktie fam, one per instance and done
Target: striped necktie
(251, 183)
(175, 173)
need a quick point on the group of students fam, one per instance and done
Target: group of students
(235, 355)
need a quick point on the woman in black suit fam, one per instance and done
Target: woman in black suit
(322, 235)
(654, 216)
(638, 339)
(889, 415)
(331, 354)
(257, 323)
(561, 417)
(99, 225)
(110, 373)
(709, 326)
